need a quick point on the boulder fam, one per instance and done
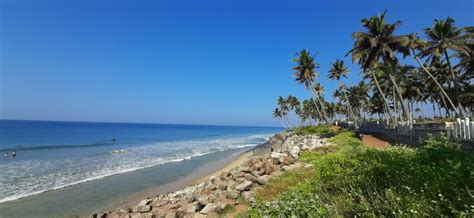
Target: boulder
(135, 215)
(277, 155)
(244, 185)
(211, 207)
(159, 203)
(263, 179)
(188, 208)
(244, 169)
(203, 199)
(250, 177)
(231, 185)
(212, 198)
(233, 194)
(144, 208)
(237, 174)
(221, 185)
(240, 180)
(269, 167)
(295, 151)
(224, 175)
(144, 202)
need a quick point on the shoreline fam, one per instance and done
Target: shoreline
(231, 186)
(202, 174)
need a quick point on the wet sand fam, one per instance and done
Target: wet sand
(202, 174)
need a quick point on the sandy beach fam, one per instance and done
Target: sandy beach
(202, 174)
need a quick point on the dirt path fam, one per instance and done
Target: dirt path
(374, 142)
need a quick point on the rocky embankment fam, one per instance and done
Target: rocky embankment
(230, 188)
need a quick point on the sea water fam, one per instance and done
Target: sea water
(74, 168)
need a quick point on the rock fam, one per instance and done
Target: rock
(159, 203)
(188, 209)
(250, 177)
(147, 215)
(135, 215)
(240, 180)
(248, 196)
(263, 179)
(203, 200)
(244, 169)
(231, 185)
(277, 155)
(244, 185)
(224, 175)
(212, 198)
(144, 208)
(223, 205)
(295, 152)
(144, 202)
(308, 166)
(233, 194)
(221, 185)
(237, 174)
(167, 214)
(211, 207)
(210, 187)
(259, 172)
(269, 167)
(191, 207)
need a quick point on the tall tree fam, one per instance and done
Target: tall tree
(305, 73)
(379, 43)
(444, 36)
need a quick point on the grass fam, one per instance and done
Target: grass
(322, 130)
(350, 179)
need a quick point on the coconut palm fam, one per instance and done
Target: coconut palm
(444, 36)
(379, 43)
(337, 71)
(305, 73)
(416, 43)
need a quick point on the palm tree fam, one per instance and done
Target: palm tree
(444, 36)
(379, 43)
(416, 43)
(318, 90)
(277, 113)
(305, 73)
(342, 91)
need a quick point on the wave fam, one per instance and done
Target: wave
(34, 177)
(46, 147)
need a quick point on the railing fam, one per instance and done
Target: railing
(462, 129)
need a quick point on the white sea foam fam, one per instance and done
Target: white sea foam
(24, 178)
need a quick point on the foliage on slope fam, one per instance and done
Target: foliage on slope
(355, 180)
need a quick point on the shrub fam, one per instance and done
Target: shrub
(436, 179)
(322, 130)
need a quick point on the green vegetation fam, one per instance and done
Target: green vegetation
(322, 130)
(393, 87)
(354, 180)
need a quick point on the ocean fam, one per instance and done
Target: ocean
(65, 169)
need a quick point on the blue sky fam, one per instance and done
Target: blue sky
(195, 62)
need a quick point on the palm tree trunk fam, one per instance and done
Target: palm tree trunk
(455, 82)
(436, 82)
(323, 109)
(350, 108)
(397, 89)
(385, 101)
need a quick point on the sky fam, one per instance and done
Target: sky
(186, 62)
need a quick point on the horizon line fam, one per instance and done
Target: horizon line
(109, 122)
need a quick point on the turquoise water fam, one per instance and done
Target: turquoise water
(68, 168)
